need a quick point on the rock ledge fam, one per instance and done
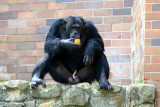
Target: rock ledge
(17, 93)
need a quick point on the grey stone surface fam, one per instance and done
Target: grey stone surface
(147, 93)
(19, 84)
(30, 104)
(47, 104)
(146, 105)
(51, 91)
(2, 104)
(18, 94)
(106, 102)
(14, 105)
(14, 95)
(84, 86)
(139, 94)
(51, 104)
(116, 88)
(104, 92)
(75, 96)
(2, 91)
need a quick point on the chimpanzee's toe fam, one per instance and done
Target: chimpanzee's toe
(107, 86)
(70, 80)
(77, 80)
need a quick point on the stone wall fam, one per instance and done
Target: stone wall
(17, 93)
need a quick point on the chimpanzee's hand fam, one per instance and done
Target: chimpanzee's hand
(69, 44)
(88, 59)
(36, 81)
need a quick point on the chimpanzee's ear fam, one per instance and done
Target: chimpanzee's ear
(64, 21)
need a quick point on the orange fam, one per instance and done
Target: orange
(77, 41)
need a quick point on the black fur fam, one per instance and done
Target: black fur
(88, 59)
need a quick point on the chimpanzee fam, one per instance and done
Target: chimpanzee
(63, 57)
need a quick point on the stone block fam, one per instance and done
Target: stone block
(139, 94)
(75, 97)
(30, 104)
(14, 95)
(17, 84)
(50, 91)
(14, 105)
(106, 102)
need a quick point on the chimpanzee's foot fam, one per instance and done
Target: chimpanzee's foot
(70, 80)
(36, 81)
(77, 80)
(105, 85)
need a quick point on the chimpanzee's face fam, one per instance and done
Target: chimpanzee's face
(74, 26)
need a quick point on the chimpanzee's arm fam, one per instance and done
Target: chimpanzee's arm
(51, 48)
(53, 37)
(54, 43)
(94, 43)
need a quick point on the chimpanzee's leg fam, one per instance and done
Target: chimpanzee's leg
(40, 71)
(99, 71)
(102, 73)
(85, 74)
(60, 73)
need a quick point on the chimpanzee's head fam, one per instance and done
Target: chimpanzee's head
(74, 26)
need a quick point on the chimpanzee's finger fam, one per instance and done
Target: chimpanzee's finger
(33, 85)
(43, 83)
(99, 87)
(71, 39)
(90, 60)
(86, 60)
